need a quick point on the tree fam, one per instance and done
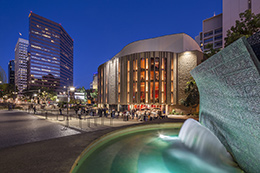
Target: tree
(210, 52)
(192, 99)
(248, 24)
(94, 94)
(7, 90)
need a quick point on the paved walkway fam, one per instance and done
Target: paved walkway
(87, 123)
(58, 155)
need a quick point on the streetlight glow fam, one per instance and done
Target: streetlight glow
(72, 88)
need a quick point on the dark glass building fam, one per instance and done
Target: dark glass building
(50, 55)
(11, 75)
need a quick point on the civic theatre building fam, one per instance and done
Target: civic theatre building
(149, 73)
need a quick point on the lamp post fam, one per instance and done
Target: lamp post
(72, 89)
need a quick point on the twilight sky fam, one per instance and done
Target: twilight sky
(101, 28)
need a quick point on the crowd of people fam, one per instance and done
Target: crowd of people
(141, 115)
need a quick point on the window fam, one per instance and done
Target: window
(142, 64)
(208, 40)
(217, 44)
(218, 37)
(208, 34)
(218, 31)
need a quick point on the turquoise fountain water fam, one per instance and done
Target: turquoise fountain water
(158, 150)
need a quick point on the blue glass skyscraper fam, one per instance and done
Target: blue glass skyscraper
(50, 55)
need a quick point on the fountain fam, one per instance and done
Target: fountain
(158, 148)
(229, 86)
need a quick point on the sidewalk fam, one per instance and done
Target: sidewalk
(59, 154)
(92, 123)
(87, 123)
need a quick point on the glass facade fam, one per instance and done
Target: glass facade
(11, 69)
(51, 54)
(21, 64)
(142, 81)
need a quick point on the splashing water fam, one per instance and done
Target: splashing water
(204, 143)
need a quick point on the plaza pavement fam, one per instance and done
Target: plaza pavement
(58, 155)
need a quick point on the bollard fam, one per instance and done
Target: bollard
(102, 120)
(46, 117)
(88, 121)
(95, 121)
(57, 117)
(67, 122)
(80, 123)
(111, 121)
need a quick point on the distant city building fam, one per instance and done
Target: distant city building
(11, 72)
(21, 60)
(51, 54)
(2, 76)
(94, 83)
(214, 29)
(232, 9)
(211, 33)
(149, 73)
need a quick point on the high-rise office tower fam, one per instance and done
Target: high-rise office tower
(11, 74)
(51, 54)
(21, 59)
(232, 9)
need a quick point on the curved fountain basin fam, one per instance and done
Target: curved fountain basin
(146, 148)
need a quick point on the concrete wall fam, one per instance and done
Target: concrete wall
(187, 61)
(229, 86)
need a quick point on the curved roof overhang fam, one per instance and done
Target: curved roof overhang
(176, 43)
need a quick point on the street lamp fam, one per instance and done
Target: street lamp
(72, 89)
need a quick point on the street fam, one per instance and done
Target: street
(18, 128)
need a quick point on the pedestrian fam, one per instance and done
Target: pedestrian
(76, 110)
(79, 113)
(60, 111)
(34, 109)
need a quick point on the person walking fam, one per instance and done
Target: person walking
(79, 113)
(34, 109)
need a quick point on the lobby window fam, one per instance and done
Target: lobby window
(134, 92)
(128, 81)
(172, 77)
(157, 75)
(142, 63)
(152, 64)
(156, 64)
(142, 75)
(142, 92)
(118, 81)
(163, 78)
(151, 92)
(156, 92)
(152, 75)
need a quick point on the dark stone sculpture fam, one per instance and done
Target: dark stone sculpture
(229, 86)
